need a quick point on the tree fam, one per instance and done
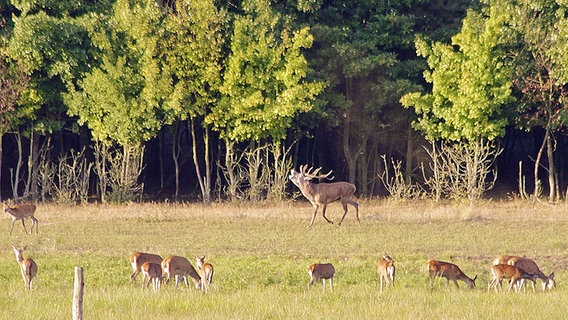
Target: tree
(264, 85)
(470, 84)
(364, 50)
(13, 82)
(121, 99)
(48, 41)
(194, 52)
(537, 42)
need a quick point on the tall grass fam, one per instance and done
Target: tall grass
(260, 254)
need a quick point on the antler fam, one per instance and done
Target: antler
(308, 172)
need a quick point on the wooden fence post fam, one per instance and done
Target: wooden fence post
(78, 294)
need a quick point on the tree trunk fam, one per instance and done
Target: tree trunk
(16, 175)
(176, 149)
(409, 155)
(204, 183)
(552, 193)
(537, 184)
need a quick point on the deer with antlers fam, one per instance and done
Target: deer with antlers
(321, 194)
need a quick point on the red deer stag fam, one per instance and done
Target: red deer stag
(449, 271)
(321, 271)
(321, 194)
(386, 271)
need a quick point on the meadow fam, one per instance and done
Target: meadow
(260, 253)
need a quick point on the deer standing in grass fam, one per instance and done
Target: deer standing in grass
(21, 212)
(153, 272)
(386, 271)
(321, 271)
(28, 267)
(449, 271)
(137, 259)
(175, 266)
(321, 194)
(529, 266)
(205, 271)
(505, 271)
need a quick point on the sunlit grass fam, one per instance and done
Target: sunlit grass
(260, 254)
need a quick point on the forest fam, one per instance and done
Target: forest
(204, 100)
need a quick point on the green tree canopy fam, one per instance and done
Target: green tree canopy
(265, 83)
(471, 83)
(121, 99)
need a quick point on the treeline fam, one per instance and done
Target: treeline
(126, 99)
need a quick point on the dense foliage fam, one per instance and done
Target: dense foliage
(210, 82)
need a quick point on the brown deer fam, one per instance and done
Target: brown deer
(137, 259)
(321, 271)
(321, 194)
(28, 267)
(386, 271)
(505, 271)
(180, 267)
(449, 271)
(529, 266)
(153, 272)
(21, 212)
(205, 271)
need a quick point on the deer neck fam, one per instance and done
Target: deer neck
(309, 190)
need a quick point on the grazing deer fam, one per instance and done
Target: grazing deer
(321, 194)
(505, 271)
(386, 271)
(21, 212)
(153, 272)
(180, 267)
(205, 271)
(549, 283)
(449, 271)
(137, 259)
(321, 271)
(28, 267)
(529, 266)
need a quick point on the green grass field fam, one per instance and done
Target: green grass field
(260, 254)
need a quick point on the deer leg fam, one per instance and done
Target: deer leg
(36, 222)
(323, 212)
(344, 204)
(12, 227)
(314, 215)
(24, 224)
(356, 205)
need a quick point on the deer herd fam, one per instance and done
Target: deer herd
(156, 270)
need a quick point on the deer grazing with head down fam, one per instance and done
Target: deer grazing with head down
(529, 266)
(153, 272)
(321, 194)
(386, 271)
(449, 271)
(181, 269)
(321, 271)
(505, 271)
(21, 212)
(137, 259)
